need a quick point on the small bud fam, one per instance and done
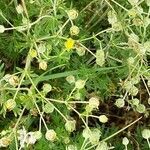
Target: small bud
(117, 26)
(112, 18)
(13, 80)
(78, 96)
(73, 14)
(41, 48)
(120, 103)
(125, 141)
(70, 79)
(88, 109)
(127, 85)
(102, 146)
(24, 22)
(134, 91)
(94, 136)
(86, 133)
(66, 140)
(19, 9)
(43, 65)
(79, 84)
(5, 141)
(47, 88)
(137, 22)
(132, 13)
(10, 104)
(94, 102)
(103, 118)
(71, 147)
(48, 108)
(133, 38)
(74, 30)
(2, 29)
(80, 50)
(135, 80)
(50, 135)
(70, 125)
(135, 102)
(37, 135)
(146, 133)
(100, 57)
(141, 108)
(34, 112)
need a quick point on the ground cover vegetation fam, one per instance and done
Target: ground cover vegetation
(74, 74)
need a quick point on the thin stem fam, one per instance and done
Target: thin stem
(109, 137)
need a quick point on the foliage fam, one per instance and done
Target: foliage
(74, 74)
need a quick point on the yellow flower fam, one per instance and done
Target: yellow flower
(69, 44)
(33, 53)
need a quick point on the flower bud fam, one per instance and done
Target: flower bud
(86, 133)
(94, 102)
(137, 22)
(37, 135)
(48, 108)
(73, 14)
(47, 88)
(79, 84)
(50, 135)
(70, 79)
(100, 57)
(134, 91)
(125, 141)
(103, 118)
(112, 18)
(41, 48)
(43, 65)
(94, 136)
(70, 125)
(120, 103)
(13, 80)
(117, 26)
(5, 141)
(19, 9)
(132, 13)
(74, 30)
(2, 29)
(71, 147)
(135, 102)
(102, 146)
(141, 108)
(10, 104)
(80, 50)
(146, 133)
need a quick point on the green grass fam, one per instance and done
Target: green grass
(72, 70)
